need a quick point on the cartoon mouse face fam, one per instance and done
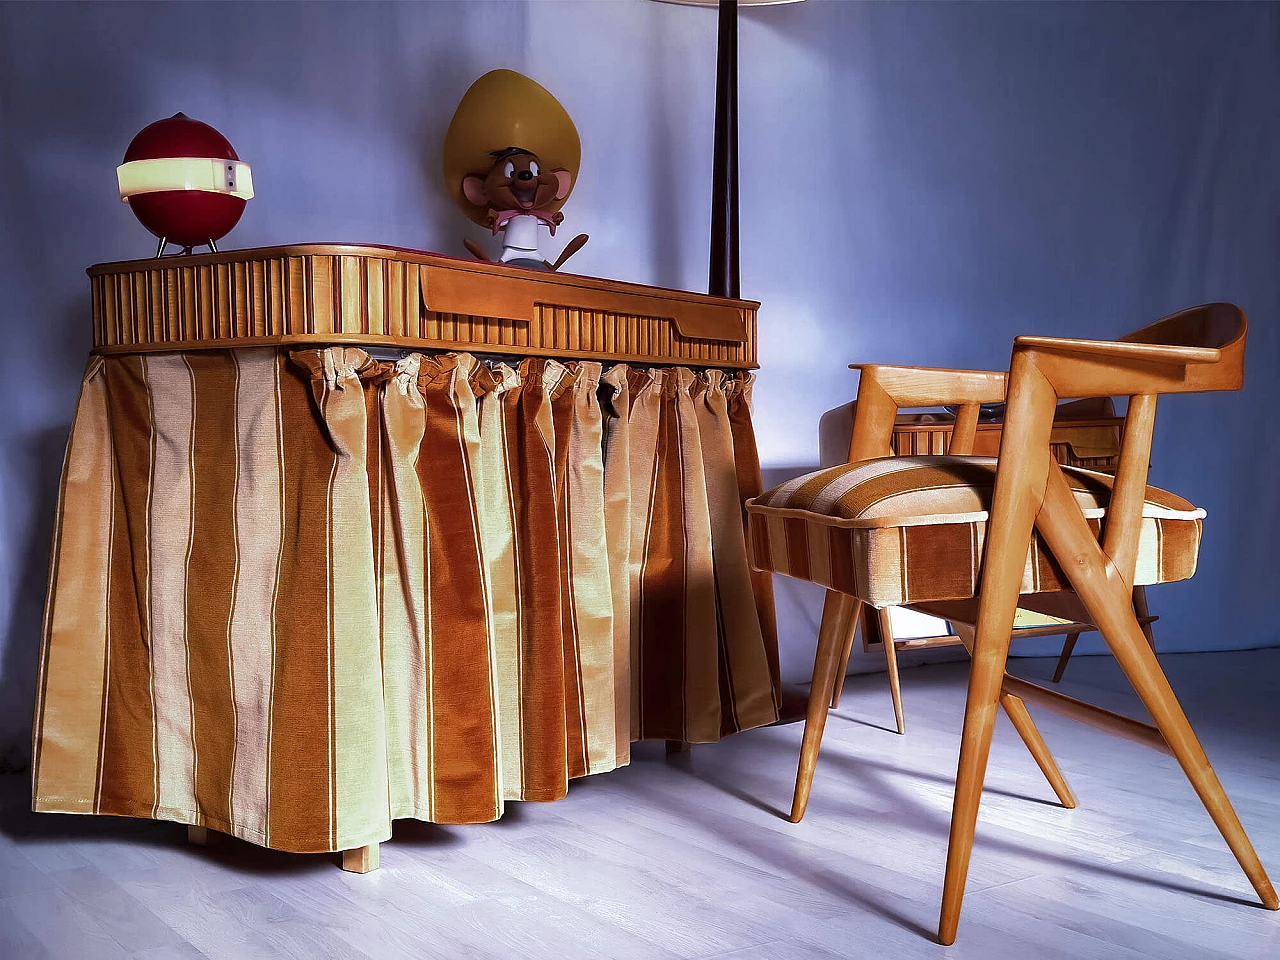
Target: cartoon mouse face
(517, 181)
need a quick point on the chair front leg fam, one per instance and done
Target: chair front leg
(839, 614)
(836, 597)
(1001, 578)
(1020, 477)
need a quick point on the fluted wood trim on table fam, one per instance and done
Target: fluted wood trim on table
(329, 293)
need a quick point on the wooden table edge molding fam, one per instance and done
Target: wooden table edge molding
(389, 296)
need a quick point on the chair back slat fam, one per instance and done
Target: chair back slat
(965, 430)
(1129, 490)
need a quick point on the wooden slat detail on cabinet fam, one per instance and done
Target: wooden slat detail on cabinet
(332, 293)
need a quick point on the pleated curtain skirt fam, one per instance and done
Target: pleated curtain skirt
(297, 595)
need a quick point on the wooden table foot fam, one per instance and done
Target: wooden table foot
(361, 859)
(676, 746)
(198, 836)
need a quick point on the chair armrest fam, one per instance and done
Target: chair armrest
(883, 390)
(931, 387)
(1123, 350)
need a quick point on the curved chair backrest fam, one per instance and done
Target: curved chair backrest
(1213, 325)
(1193, 350)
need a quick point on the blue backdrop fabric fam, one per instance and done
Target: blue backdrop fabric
(921, 182)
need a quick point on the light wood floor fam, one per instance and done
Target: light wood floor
(691, 857)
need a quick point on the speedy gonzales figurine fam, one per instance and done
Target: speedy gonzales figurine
(511, 158)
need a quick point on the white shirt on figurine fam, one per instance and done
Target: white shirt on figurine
(520, 238)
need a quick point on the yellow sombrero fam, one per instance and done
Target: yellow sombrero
(506, 109)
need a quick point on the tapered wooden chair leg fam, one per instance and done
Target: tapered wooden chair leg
(985, 678)
(850, 631)
(1014, 504)
(891, 658)
(1017, 712)
(1140, 609)
(1110, 605)
(1026, 727)
(1141, 667)
(1068, 645)
(825, 667)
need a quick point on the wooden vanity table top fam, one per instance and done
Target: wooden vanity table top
(378, 295)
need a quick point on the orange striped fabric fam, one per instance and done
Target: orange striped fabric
(911, 529)
(750, 484)
(297, 596)
(436, 638)
(701, 666)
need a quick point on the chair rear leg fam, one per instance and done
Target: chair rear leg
(1017, 713)
(1068, 645)
(1026, 727)
(1142, 611)
(1110, 605)
(1123, 635)
(838, 615)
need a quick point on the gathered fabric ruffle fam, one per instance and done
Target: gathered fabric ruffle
(299, 594)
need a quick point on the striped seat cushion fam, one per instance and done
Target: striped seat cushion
(910, 529)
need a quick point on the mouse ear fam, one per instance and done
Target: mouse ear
(473, 190)
(564, 180)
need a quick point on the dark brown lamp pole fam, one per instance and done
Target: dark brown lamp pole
(725, 278)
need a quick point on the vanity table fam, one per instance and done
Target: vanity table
(356, 533)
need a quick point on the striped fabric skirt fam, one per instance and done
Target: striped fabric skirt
(297, 595)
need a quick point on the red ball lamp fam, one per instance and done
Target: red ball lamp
(183, 180)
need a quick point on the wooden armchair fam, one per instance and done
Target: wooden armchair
(970, 539)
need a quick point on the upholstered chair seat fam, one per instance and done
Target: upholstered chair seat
(899, 530)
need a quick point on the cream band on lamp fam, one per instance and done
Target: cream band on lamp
(233, 177)
(184, 182)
